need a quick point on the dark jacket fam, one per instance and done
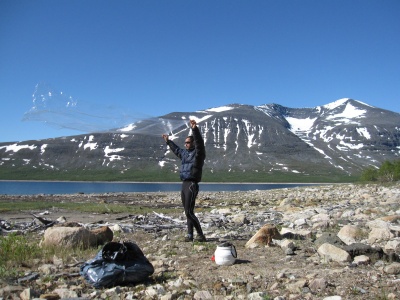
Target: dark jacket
(192, 159)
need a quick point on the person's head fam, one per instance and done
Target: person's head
(189, 142)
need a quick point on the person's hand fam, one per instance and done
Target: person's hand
(165, 137)
(193, 123)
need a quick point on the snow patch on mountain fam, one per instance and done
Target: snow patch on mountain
(336, 103)
(350, 112)
(300, 125)
(90, 144)
(249, 133)
(108, 151)
(340, 102)
(128, 128)
(16, 147)
(43, 149)
(347, 146)
(364, 132)
(220, 109)
(198, 120)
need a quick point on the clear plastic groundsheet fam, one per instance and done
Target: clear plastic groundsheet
(117, 264)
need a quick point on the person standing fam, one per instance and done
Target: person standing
(192, 158)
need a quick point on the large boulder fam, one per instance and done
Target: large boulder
(350, 234)
(71, 237)
(329, 238)
(379, 235)
(103, 235)
(330, 252)
(374, 253)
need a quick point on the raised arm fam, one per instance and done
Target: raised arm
(198, 141)
(174, 148)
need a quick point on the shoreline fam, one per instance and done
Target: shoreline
(172, 182)
(32, 188)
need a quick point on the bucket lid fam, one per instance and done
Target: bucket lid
(225, 244)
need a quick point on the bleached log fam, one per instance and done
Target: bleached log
(168, 218)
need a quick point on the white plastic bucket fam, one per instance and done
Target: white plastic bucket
(225, 254)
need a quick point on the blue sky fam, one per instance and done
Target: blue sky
(155, 57)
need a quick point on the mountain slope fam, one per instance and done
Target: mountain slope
(350, 134)
(243, 143)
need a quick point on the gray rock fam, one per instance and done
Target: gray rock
(361, 260)
(374, 253)
(393, 268)
(350, 234)
(257, 296)
(47, 269)
(240, 219)
(379, 234)
(393, 245)
(330, 252)
(8, 290)
(202, 295)
(66, 293)
(329, 238)
(318, 284)
(29, 294)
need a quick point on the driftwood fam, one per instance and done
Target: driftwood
(155, 224)
(7, 228)
(45, 222)
(168, 218)
(158, 227)
(150, 222)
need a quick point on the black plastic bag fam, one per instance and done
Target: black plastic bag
(117, 264)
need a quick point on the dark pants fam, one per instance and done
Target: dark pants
(189, 192)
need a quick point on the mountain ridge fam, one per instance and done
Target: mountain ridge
(245, 142)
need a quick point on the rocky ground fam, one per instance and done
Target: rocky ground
(337, 242)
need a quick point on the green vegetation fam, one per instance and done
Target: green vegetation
(17, 251)
(164, 175)
(277, 177)
(387, 172)
(99, 208)
(139, 175)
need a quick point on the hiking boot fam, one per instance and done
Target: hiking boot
(188, 239)
(201, 238)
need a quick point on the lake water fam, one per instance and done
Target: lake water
(68, 187)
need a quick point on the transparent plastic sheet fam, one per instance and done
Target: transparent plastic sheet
(59, 110)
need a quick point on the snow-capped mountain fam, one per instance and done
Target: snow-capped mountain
(342, 137)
